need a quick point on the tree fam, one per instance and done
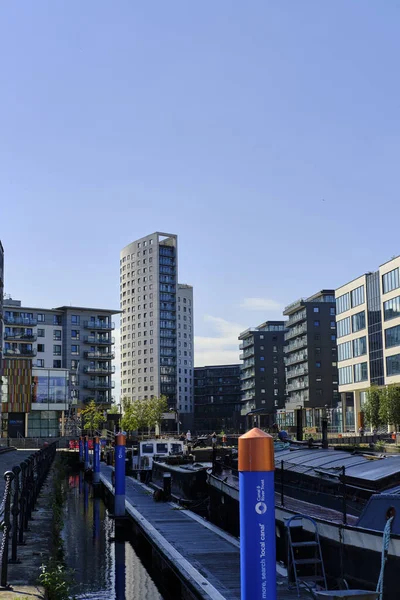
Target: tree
(373, 407)
(156, 407)
(390, 405)
(114, 410)
(93, 416)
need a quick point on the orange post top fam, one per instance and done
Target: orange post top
(96, 439)
(256, 451)
(120, 439)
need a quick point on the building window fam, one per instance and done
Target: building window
(357, 296)
(40, 362)
(261, 337)
(40, 332)
(391, 308)
(318, 364)
(391, 281)
(393, 365)
(262, 358)
(360, 346)
(332, 311)
(74, 349)
(392, 336)
(75, 319)
(40, 318)
(333, 338)
(276, 392)
(74, 364)
(57, 350)
(342, 303)
(40, 347)
(262, 369)
(345, 375)
(344, 351)
(316, 323)
(343, 327)
(358, 321)
(56, 335)
(360, 372)
(263, 391)
(75, 334)
(56, 364)
(261, 347)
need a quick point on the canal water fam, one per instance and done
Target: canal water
(104, 567)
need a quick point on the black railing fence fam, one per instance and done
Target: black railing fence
(22, 487)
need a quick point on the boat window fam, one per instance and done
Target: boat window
(147, 448)
(176, 448)
(162, 448)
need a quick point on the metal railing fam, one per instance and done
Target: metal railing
(23, 484)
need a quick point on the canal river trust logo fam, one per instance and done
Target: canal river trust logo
(261, 507)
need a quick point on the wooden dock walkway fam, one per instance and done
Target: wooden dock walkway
(202, 555)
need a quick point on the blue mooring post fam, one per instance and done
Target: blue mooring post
(257, 516)
(80, 450)
(96, 460)
(119, 501)
(86, 452)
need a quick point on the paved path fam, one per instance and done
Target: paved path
(8, 460)
(202, 554)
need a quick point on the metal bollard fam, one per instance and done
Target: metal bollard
(119, 500)
(8, 476)
(96, 460)
(15, 512)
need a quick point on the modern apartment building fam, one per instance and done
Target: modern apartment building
(368, 330)
(311, 354)
(263, 371)
(157, 314)
(217, 399)
(73, 344)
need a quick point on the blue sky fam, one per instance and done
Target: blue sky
(265, 134)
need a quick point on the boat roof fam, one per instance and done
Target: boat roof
(330, 462)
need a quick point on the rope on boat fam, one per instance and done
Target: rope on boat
(385, 548)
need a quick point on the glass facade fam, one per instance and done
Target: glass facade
(392, 336)
(50, 386)
(344, 351)
(375, 339)
(342, 303)
(358, 321)
(360, 346)
(357, 296)
(168, 334)
(343, 327)
(391, 308)
(390, 281)
(393, 365)
(44, 423)
(361, 372)
(345, 375)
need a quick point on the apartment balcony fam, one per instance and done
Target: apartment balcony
(247, 374)
(246, 343)
(99, 355)
(296, 331)
(20, 352)
(299, 357)
(101, 400)
(21, 337)
(18, 321)
(98, 340)
(298, 372)
(297, 385)
(99, 385)
(247, 353)
(247, 407)
(247, 364)
(247, 396)
(110, 370)
(248, 385)
(102, 325)
(299, 316)
(300, 343)
(298, 398)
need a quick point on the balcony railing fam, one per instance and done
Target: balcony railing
(296, 358)
(246, 343)
(299, 316)
(247, 353)
(295, 331)
(297, 385)
(99, 385)
(247, 364)
(100, 370)
(297, 372)
(97, 400)
(103, 325)
(247, 373)
(100, 355)
(98, 340)
(247, 407)
(8, 320)
(248, 385)
(298, 398)
(23, 337)
(300, 343)
(19, 352)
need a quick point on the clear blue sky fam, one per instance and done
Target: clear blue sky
(265, 134)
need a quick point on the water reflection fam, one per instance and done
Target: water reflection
(104, 568)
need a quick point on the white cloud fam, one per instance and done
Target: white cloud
(261, 304)
(221, 348)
